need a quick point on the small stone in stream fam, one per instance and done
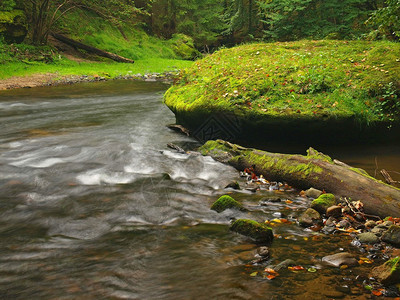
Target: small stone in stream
(388, 273)
(378, 230)
(252, 187)
(330, 222)
(392, 235)
(342, 258)
(368, 238)
(322, 203)
(359, 217)
(344, 223)
(329, 229)
(253, 229)
(263, 251)
(233, 185)
(226, 202)
(370, 224)
(309, 218)
(284, 264)
(313, 193)
(334, 211)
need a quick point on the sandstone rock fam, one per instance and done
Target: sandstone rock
(388, 273)
(334, 211)
(392, 235)
(342, 258)
(309, 218)
(368, 238)
(313, 193)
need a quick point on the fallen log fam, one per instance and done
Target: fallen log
(74, 43)
(313, 170)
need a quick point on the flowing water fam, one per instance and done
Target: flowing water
(93, 205)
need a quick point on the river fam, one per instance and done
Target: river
(93, 205)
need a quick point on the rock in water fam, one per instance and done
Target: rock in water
(309, 218)
(392, 235)
(226, 202)
(233, 185)
(313, 193)
(323, 202)
(334, 211)
(388, 273)
(253, 229)
(342, 258)
(368, 238)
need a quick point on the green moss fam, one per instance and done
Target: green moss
(394, 264)
(9, 16)
(253, 229)
(284, 165)
(226, 202)
(184, 47)
(365, 174)
(323, 202)
(293, 84)
(314, 154)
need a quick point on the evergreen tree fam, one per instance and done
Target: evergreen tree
(386, 20)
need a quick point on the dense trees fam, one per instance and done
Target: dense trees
(216, 22)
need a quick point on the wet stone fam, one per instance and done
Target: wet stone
(330, 221)
(344, 224)
(339, 259)
(309, 218)
(284, 264)
(263, 251)
(334, 211)
(313, 193)
(392, 235)
(370, 224)
(368, 238)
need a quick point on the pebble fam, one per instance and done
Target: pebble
(342, 258)
(370, 224)
(313, 193)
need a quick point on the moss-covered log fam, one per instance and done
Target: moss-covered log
(313, 170)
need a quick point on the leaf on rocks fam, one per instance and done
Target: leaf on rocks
(271, 271)
(296, 268)
(254, 274)
(312, 270)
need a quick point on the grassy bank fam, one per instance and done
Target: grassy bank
(151, 54)
(353, 83)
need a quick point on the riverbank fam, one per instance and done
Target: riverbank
(20, 75)
(297, 90)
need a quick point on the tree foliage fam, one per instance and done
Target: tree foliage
(295, 19)
(386, 20)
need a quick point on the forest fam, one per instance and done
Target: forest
(216, 23)
(200, 149)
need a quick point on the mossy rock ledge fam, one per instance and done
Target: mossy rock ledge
(388, 273)
(257, 231)
(304, 91)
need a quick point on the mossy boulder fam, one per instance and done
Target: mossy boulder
(257, 231)
(323, 202)
(303, 91)
(13, 26)
(226, 202)
(388, 273)
(183, 46)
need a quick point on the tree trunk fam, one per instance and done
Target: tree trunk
(91, 49)
(314, 170)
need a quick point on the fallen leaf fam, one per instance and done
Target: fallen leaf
(270, 277)
(253, 274)
(312, 270)
(271, 271)
(296, 268)
(342, 267)
(289, 202)
(377, 293)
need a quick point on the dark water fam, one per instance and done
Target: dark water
(93, 205)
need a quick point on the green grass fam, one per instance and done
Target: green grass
(151, 54)
(65, 67)
(303, 79)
